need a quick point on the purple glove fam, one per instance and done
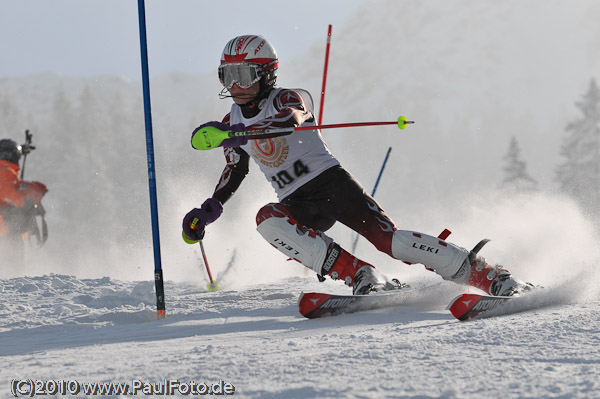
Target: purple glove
(232, 142)
(210, 211)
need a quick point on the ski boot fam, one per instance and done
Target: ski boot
(361, 276)
(506, 284)
(368, 279)
(494, 280)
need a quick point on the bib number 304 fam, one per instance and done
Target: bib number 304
(286, 177)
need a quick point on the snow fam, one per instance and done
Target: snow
(104, 330)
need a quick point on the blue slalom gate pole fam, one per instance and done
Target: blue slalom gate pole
(387, 155)
(158, 274)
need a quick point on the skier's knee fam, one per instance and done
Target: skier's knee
(271, 210)
(384, 243)
(306, 246)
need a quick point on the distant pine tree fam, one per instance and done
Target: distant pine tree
(11, 119)
(579, 174)
(515, 170)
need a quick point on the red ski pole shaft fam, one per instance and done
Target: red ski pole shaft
(206, 262)
(337, 125)
(277, 131)
(325, 74)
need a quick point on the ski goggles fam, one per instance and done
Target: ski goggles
(245, 75)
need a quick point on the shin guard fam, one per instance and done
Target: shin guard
(436, 254)
(306, 246)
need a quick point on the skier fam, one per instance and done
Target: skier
(313, 189)
(20, 203)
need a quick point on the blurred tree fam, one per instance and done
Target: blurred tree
(515, 170)
(579, 174)
(10, 118)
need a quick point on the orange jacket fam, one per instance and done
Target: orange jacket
(15, 192)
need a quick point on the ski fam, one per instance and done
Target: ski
(317, 304)
(468, 306)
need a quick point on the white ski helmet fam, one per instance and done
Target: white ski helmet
(246, 60)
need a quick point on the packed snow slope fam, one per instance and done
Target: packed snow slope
(249, 334)
(102, 330)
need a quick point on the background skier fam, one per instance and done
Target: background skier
(313, 189)
(20, 203)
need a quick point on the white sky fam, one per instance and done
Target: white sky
(101, 37)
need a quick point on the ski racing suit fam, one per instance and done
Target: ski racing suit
(315, 191)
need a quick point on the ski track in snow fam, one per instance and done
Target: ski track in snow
(103, 330)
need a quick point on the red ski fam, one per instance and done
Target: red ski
(317, 304)
(466, 306)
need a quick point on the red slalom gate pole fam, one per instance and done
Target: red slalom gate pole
(325, 74)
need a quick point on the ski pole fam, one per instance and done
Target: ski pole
(209, 137)
(325, 74)
(26, 149)
(387, 155)
(212, 286)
